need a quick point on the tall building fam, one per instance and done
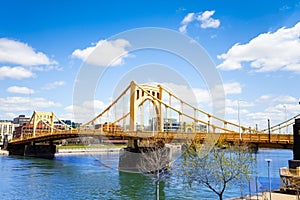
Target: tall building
(21, 120)
(6, 129)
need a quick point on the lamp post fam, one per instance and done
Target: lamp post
(239, 120)
(268, 161)
(286, 119)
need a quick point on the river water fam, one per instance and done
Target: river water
(96, 177)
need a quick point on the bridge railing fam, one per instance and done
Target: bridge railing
(168, 136)
(281, 126)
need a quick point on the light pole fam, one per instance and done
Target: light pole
(286, 119)
(268, 161)
(239, 121)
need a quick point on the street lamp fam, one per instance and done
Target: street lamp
(268, 161)
(286, 119)
(239, 120)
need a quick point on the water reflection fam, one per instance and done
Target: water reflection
(136, 185)
(97, 177)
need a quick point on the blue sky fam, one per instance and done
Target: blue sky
(254, 44)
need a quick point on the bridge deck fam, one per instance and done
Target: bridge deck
(259, 139)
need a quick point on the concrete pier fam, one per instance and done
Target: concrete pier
(144, 159)
(33, 150)
(129, 159)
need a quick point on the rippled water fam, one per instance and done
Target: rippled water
(97, 177)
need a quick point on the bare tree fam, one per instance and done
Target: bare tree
(219, 167)
(155, 162)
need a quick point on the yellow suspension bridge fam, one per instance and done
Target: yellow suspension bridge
(151, 113)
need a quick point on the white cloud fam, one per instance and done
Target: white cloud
(184, 92)
(186, 20)
(17, 104)
(15, 52)
(204, 18)
(85, 112)
(15, 73)
(232, 110)
(182, 29)
(266, 52)
(275, 108)
(285, 99)
(207, 21)
(236, 108)
(232, 88)
(240, 103)
(104, 53)
(46, 68)
(20, 90)
(276, 99)
(264, 98)
(54, 85)
(7, 116)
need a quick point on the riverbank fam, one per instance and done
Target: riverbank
(88, 149)
(82, 149)
(3, 153)
(78, 150)
(68, 151)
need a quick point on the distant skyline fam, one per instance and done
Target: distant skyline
(255, 46)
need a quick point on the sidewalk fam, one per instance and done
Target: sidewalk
(266, 196)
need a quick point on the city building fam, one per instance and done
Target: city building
(66, 124)
(172, 125)
(6, 130)
(21, 120)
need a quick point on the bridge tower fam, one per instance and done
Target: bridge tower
(39, 124)
(45, 117)
(138, 96)
(131, 156)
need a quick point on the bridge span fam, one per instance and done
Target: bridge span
(261, 140)
(144, 113)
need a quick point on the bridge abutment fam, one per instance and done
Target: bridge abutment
(33, 150)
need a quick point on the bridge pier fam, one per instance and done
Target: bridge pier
(33, 150)
(132, 157)
(296, 147)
